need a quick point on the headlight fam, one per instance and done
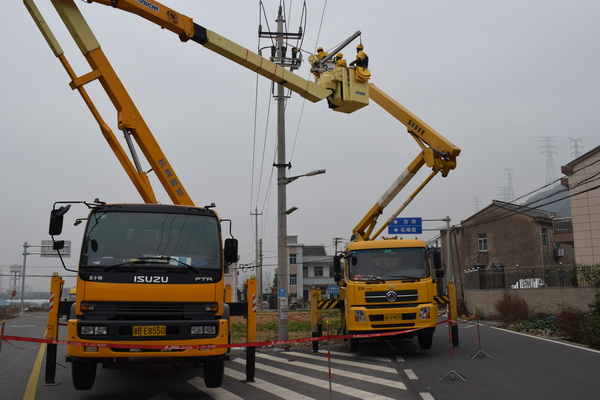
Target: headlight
(94, 330)
(87, 330)
(210, 330)
(424, 313)
(197, 330)
(101, 330)
(359, 316)
(203, 330)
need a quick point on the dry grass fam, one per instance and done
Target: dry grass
(299, 325)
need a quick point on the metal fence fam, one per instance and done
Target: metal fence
(532, 277)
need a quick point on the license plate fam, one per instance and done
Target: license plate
(150, 330)
(392, 317)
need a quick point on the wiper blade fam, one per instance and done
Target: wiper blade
(414, 278)
(373, 278)
(178, 261)
(148, 260)
(124, 264)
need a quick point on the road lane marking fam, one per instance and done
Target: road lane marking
(35, 374)
(548, 340)
(322, 383)
(344, 373)
(426, 396)
(267, 386)
(411, 375)
(343, 362)
(362, 357)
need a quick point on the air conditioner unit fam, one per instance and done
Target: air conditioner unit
(559, 252)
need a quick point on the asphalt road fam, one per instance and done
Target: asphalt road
(510, 365)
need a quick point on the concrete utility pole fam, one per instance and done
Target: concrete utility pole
(258, 262)
(282, 264)
(293, 62)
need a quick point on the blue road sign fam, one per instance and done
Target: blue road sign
(401, 226)
(281, 293)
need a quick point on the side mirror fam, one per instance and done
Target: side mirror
(56, 220)
(437, 260)
(337, 264)
(231, 251)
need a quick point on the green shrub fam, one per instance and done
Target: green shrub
(590, 330)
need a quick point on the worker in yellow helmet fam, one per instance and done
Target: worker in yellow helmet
(321, 54)
(362, 60)
(339, 61)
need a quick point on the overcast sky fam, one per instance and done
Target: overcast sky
(494, 77)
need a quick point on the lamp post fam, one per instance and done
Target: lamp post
(283, 279)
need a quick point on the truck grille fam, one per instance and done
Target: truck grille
(149, 311)
(391, 296)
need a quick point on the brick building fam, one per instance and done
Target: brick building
(505, 235)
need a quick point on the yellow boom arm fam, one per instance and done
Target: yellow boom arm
(187, 29)
(345, 94)
(130, 120)
(437, 152)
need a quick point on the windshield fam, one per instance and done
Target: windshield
(161, 239)
(388, 264)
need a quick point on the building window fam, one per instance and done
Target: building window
(318, 271)
(293, 280)
(292, 259)
(482, 244)
(544, 237)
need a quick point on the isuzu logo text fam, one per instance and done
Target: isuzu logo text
(150, 279)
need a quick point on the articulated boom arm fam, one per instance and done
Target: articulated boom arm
(345, 93)
(130, 120)
(437, 152)
(186, 29)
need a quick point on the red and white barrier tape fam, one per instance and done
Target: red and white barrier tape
(208, 346)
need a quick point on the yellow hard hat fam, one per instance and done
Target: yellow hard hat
(319, 49)
(360, 46)
(339, 55)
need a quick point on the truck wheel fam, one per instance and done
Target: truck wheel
(83, 374)
(425, 340)
(353, 344)
(213, 372)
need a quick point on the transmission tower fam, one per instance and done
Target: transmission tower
(510, 192)
(503, 194)
(476, 203)
(548, 148)
(576, 147)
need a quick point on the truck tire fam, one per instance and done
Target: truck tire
(353, 344)
(214, 370)
(425, 340)
(83, 374)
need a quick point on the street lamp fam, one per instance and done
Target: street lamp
(290, 210)
(283, 279)
(311, 173)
